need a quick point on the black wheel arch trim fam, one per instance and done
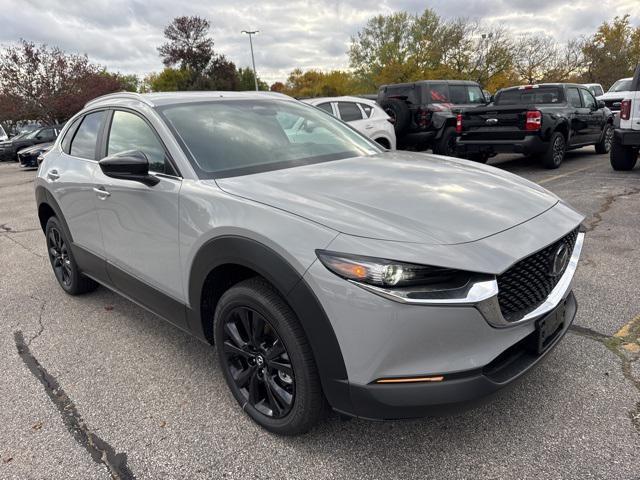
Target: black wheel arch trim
(269, 264)
(43, 196)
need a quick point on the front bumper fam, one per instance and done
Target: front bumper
(531, 144)
(457, 391)
(28, 160)
(627, 137)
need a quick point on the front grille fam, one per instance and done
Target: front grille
(528, 283)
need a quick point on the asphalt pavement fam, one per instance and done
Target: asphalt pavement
(94, 387)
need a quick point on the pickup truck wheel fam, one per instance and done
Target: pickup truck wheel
(604, 145)
(398, 110)
(554, 155)
(478, 157)
(266, 358)
(623, 157)
(447, 143)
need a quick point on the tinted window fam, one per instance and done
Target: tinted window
(573, 97)
(621, 86)
(326, 107)
(475, 94)
(528, 96)
(236, 137)
(439, 93)
(458, 94)
(349, 111)
(66, 141)
(596, 90)
(130, 132)
(587, 99)
(84, 141)
(47, 134)
(368, 109)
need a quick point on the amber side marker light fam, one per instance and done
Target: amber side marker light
(410, 380)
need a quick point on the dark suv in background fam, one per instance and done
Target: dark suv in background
(9, 148)
(424, 112)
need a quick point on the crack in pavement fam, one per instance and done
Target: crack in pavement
(8, 237)
(609, 200)
(101, 452)
(625, 344)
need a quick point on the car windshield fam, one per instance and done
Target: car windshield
(227, 138)
(528, 96)
(621, 86)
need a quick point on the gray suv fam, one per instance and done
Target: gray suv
(324, 269)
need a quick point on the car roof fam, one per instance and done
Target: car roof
(167, 98)
(429, 82)
(344, 98)
(591, 84)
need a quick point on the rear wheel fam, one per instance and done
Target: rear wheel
(62, 261)
(554, 155)
(266, 359)
(604, 145)
(623, 157)
(447, 143)
(478, 157)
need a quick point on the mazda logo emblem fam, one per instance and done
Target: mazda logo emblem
(558, 260)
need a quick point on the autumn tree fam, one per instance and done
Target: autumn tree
(612, 52)
(48, 85)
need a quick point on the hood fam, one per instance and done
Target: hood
(400, 196)
(34, 148)
(613, 96)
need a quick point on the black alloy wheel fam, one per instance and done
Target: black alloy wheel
(59, 257)
(558, 149)
(258, 362)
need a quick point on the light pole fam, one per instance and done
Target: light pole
(253, 61)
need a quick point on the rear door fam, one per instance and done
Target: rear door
(351, 113)
(579, 117)
(140, 223)
(595, 116)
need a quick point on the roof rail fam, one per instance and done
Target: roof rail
(130, 95)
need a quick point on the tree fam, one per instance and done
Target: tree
(224, 74)
(534, 57)
(278, 87)
(246, 80)
(612, 52)
(47, 85)
(169, 80)
(188, 44)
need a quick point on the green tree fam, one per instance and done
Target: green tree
(169, 80)
(188, 45)
(246, 81)
(612, 52)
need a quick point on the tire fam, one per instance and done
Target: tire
(62, 262)
(282, 394)
(383, 142)
(623, 157)
(398, 110)
(447, 143)
(478, 157)
(554, 155)
(604, 145)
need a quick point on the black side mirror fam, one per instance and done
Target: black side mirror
(130, 165)
(600, 103)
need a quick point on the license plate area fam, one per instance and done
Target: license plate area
(548, 328)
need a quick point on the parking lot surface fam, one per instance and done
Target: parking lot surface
(94, 387)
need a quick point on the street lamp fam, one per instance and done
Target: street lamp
(253, 61)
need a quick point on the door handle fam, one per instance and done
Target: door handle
(53, 175)
(101, 193)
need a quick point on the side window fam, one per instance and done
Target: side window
(458, 94)
(66, 141)
(368, 109)
(326, 107)
(130, 132)
(349, 111)
(587, 99)
(84, 141)
(573, 97)
(439, 93)
(475, 95)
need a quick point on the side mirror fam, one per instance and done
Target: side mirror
(600, 103)
(130, 165)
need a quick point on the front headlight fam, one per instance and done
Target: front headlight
(409, 282)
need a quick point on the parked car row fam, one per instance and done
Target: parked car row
(18, 148)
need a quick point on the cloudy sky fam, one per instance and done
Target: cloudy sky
(123, 34)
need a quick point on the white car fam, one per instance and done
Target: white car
(618, 92)
(364, 115)
(595, 88)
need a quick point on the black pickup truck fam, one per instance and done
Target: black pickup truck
(540, 120)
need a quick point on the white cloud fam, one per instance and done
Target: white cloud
(123, 34)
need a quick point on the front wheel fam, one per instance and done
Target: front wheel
(554, 155)
(623, 157)
(604, 145)
(478, 157)
(266, 358)
(447, 143)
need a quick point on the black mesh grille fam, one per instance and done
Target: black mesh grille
(528, 283)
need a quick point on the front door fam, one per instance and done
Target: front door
(139, 223)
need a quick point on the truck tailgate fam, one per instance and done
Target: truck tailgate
(494, 123)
